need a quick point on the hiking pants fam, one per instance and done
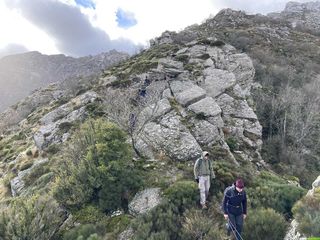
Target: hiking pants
(236, 224)
(204, 186)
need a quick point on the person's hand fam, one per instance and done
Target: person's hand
(244, 216)
(225, 216)
(197, 180)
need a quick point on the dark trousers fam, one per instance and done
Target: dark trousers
(235, 225)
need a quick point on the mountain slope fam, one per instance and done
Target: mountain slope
(64, 156)
(22, 73)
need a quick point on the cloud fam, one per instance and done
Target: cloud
(86, 3)
(125, 19)
(71, 30)
(254, 6)
(12, 49)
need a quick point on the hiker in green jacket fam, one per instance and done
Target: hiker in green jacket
(203, 173)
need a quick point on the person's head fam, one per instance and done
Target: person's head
(205, 155)
(239, 185)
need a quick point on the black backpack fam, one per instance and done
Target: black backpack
(232, 187)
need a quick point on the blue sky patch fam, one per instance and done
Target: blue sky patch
(86, 3)
(125, 19)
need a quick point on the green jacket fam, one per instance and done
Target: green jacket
(203, 167)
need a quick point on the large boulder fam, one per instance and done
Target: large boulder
(144, 201)
(171, 136)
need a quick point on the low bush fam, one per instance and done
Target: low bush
(162, 222)
(31, 218)
(82, 232)
(264, 224)
(183, 194)
(307, 213)
(197, 225)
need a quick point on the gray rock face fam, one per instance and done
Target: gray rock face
(306, 15)
(190, 95)
(144, 201)
(205, 105)
(293, 234)
(55, 124)
(217, 81)
(236, 108)
(18, 184)
(173, 137)
(206, 133)
(315, 185)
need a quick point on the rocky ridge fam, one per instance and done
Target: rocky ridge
(21, 74)
(301, 15)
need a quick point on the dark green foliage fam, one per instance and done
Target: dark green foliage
(272, 192)
(307, 213)
(182, 58)
(95, 109)
(232, 143)
(198, 225)
(88, 214)
(33, 218)
(264, 224)
(36, 173)
(163, 221)
(82, 232)
(65, 127)
(183, 194)
(98, 169)
(53, 149)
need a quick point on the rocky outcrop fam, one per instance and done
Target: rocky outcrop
(293, 233)
(301, 15)
(315, 185)
(208, 94)
(54, 126)
(18, 183)
(144, 201)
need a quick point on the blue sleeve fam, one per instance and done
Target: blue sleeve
(225, 201)
(244, 204)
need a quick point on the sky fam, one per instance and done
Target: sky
(88, 27)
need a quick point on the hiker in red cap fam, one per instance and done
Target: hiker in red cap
(235, 207)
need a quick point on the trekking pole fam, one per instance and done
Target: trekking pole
(232, 230)
(236, 231)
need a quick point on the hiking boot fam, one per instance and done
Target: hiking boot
(204, 206)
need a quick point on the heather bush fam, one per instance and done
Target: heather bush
(264, 224)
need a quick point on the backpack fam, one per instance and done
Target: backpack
(224, 195)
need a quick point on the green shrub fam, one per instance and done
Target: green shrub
(264, 224)
(307, 213)
(98, 169)
(82, 232)
(88, 214)
(183, 194)
(272, 192)
(53, 149)
(162, 222)
(36, 173)
(232, 143)
(197, 225)
(32, 218)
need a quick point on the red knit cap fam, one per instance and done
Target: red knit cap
(239, 183)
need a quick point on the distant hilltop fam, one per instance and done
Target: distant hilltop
(20, 74)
